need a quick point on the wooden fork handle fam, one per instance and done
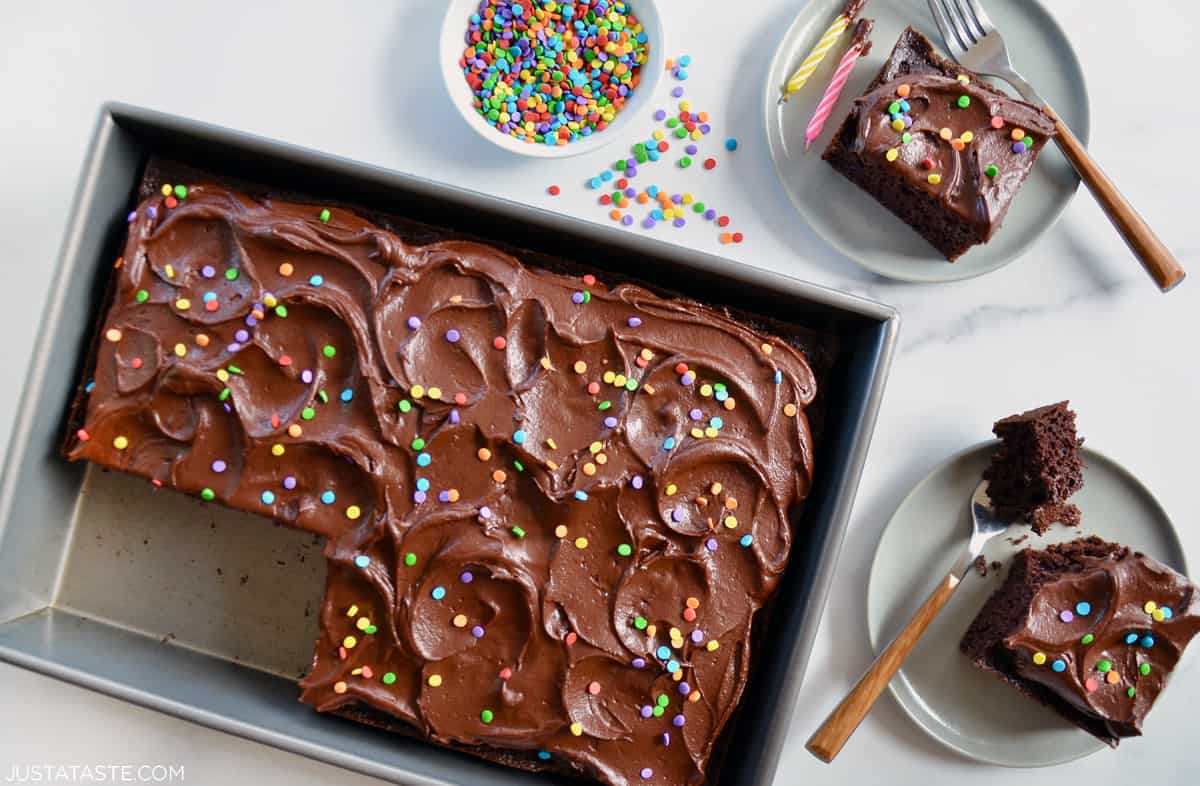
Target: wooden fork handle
(841, 723)
(1154, 256)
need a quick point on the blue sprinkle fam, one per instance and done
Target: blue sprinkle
(653, 192)
(89, 386)
(716, 422)
(778, 376)
(663, 652)
(1131, 638)
(545, 755)
(595, 182)
(1059, 665)
(209, 297)
(347, 394)
(606, 175)
(746, 541)
(362, 560)
(268, 497)
(328, 497)
(1147, 641)
(519, 436)
(438, 593)
(316, 281)
(1083, 608)
(672, 666)
(422, 484)
(424, 459)
(685, 61)
(721, 395)
(581, 495)
(731, 144)
(1167, 613)
(668, 443)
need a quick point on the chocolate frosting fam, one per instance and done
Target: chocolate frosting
(552, 507)
(964, 187)
(1137, 618)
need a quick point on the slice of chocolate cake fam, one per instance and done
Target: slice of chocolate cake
(1037, 467)
(1088, 628)
(937, 146)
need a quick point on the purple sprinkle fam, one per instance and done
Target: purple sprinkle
(306, 376)
(252, 320)
(676, 515)
(152, 212)
(647, 710)
(696, 414)
(1066, 615)
(630, 192)
(610, 422)
(485, 512)
(691, 150)
(687, 378)
(677, 198)
(705, 128)
(577, 298)
(232, 348)
(684, 688)
(227, 407)
(453, 336)
(678, 720)
(666, 738)
(634, 321)
(1018, 147)
(677, 92)
(477, 632)
(133, 213)
(414, 322)
(710, 214)
(639, 663)
(631, 171)
(647, 773)
(679, 222)
(289, 483)
(695, 117)
(455, 417)
(648, 223)
(218, 466)
(208, 271)
(467, 577)
(419, 497)
(636, 482)
(711, 544)
(242, 335)
(697, 635)
(443, 496)
(627, 220)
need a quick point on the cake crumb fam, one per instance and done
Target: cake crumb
(981, 565)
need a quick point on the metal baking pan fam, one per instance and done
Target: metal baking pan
(210, 614)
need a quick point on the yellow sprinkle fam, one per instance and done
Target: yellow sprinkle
(120, 443)
(767, 348)
(712, 645)
(678, 675)
(935, 178)
(580, 367)
(711, 431)
(967, 137)
(1158, 615)
(1039, 658)
(417, 391)
(601, 458)
(270, 301)
(892, 154)
(456, 298)
(668, 214)
(589, 469)
(294, 430)
(581, 543)
(552, 465)
(222, 375)
(898, 124)
(789, 409)
(646, 354)
(595, 447)
(349, 642)
(649, 389)
(619, 380)
(166, 189)
(946, 134)
(170, 271)
(353, 512)
(706, 390)
(435, 680)
(731, 522)
(577, 729)
(460, 620)
(698, 433)
(675, 633)
(434, 393)
(692, 602)
(608, 377)
(546, 364)
(113, 335)
(963, 79)
(180, 350)
(356, 672)
(684, 106)
(183, 304)
(658, 135)
(560, 531)
(286, 269)
(550, 443)
(277, 449)
(363, 623)
(339, 687)
(1150, 607)
(350, 612)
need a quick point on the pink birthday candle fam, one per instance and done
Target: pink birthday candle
(859, 46)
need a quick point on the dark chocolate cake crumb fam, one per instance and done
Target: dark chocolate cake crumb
(1036, 467)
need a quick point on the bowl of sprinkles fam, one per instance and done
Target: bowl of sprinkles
(549, 78)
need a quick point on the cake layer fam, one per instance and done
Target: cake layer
(1088, 628)
(553, 507)
(942, 149)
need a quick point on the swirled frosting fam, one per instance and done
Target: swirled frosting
(1105, 638)
(552, 508)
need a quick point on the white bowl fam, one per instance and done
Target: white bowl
(454, 28)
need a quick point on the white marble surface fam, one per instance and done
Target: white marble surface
(1074, 318)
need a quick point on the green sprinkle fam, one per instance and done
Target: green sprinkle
(325, 215)
(587, 296)
(663, 700)
(370, 629)
(964, 102)
(1144, 669)
(894, 108)
(410, 559)
(234, 369)
(631, 385)
(404, 405)
(321, 394)
(685, 162)
(308, 413)
(520, 533)
(624, 549)
(418, 444)
(681, 133)
(224, 394)
(698, 207)
(672, 122)
(487, 716)
(1131, 692)
(520, 467)
(231, 274)
(1103, 665)
(603, 405)
(389, 678)
(991, 171)
(1087, 638)
(142, 296)
(328, 350)
(181, 192)
(208, 495)
(281, 311)
(640, 623)
(658, 712)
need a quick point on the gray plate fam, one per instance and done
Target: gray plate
(958, 705)
(854, 223)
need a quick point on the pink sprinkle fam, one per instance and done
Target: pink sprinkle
(1066, 615)
(594, 688)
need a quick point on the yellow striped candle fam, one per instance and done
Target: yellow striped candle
(828, 39)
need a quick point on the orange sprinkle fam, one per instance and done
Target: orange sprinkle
(499, 476)
(726, 238)
(1018, 134)
(484, 454)
(903, 91)
(789, 409)
(286, 269)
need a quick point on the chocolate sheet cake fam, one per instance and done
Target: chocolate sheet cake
(553, 507)
(1037, 467)
(939, 147)
(1088, 628)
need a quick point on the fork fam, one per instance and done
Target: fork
(977, 45)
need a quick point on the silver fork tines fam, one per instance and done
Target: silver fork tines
(975, 42)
